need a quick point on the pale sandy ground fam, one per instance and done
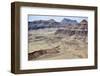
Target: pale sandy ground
(69, 47)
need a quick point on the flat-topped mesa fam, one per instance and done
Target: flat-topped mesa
(42, 52)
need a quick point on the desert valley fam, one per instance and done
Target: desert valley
(51, 40)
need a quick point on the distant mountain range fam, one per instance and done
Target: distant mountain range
(69, 21)
(41, 24)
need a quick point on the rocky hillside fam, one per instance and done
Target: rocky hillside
(40, 24)
(78, 31)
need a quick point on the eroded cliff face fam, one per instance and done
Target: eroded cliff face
(43, 52)
(77, 32)
(80, 30)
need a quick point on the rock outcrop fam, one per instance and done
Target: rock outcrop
(39, 53)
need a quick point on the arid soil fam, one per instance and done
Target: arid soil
(69, 47)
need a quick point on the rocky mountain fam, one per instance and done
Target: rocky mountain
(69, 21)
(40, 24)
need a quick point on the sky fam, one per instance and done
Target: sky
(56, 18)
